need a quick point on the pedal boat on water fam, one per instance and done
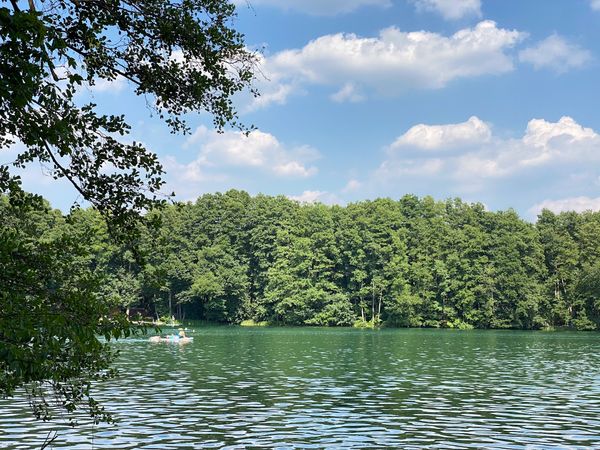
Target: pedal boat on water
(179, 338)
(172, 338)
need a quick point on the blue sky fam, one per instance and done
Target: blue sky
(491, 101)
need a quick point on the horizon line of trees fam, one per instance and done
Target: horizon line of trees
(412, 262)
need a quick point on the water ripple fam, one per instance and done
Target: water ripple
(318, 388)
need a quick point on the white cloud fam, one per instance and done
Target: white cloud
(352, 186)
(294, 169)
(389, 64)
(396, 58)
(234, 159)
(451, 9)
(193, 172)
(270, 94)
(483, 155)
(541, 133)
(348, 93)
(258, 150)
(544, 143)
(189, 180)
(473, 165)
(595, 5)
(101, 85)
(316, 197)
(392, 168)
(578, 204)
(273, 85)
(316, 7)
(434, 137)
(114, 86)
(308, 196)
(198, 135)
(555, 53)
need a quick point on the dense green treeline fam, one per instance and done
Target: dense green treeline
(413, 262)
(54, 303)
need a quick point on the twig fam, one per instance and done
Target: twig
(49, 440)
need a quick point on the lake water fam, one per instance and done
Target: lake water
(341, 388)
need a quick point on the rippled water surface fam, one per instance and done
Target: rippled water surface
(328, 388)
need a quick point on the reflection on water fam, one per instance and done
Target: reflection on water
(323, 388)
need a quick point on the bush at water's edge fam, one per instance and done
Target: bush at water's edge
(252, 323)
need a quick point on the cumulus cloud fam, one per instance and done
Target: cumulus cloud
(294, 169)
(193, 172)
(555, 53)
(316, 197)
(450, 9)
(544, 143)
(274, 86)
(478, 154)
(348, 93)
(316, 7)
(189, 180)
(393, 167)
(114, 86)
(220, 161)
(549, 159)
(578, 204)
(541, 133)
(270, 93)
(595, 4)
(389, 64)
(100, 85)
(396, 60)
(435, 137)
(352, 186)
(257, 150)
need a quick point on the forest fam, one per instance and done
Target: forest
(413, 262)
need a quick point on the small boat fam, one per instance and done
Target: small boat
(172, 338)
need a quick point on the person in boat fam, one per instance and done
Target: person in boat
(180, 336)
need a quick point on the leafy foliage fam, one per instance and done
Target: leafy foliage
(412, 262)
(66, 281)
(52, 312)
(183, 55)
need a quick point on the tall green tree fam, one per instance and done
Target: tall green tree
(52, 312)
(183, 57)
(562, 260)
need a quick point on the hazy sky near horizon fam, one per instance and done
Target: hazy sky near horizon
(492, 101)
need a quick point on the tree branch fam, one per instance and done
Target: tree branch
(65, 173)
(15, 5)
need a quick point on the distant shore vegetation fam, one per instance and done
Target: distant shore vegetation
(413, 262)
